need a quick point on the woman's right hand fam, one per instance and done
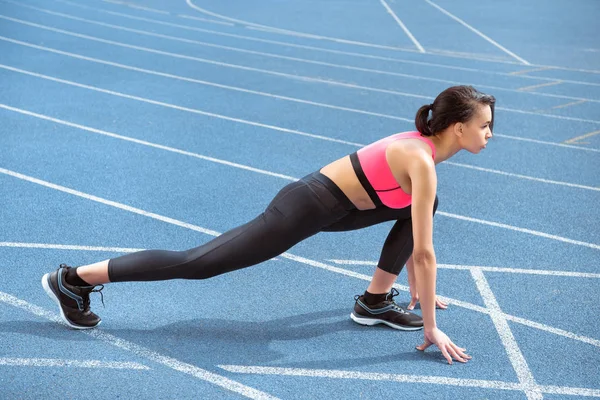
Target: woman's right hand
(443, 342)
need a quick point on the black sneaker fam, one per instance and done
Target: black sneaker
(387, 312)
(73, 301)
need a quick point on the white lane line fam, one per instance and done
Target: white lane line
(506, 336)
(54, 362)
(241, 166)
(68, 247)
(292, 257)
(529, 88)
(450, 215)
(246, 167)
(578, 138)
(272, 55)
(212, 159)
(563, 145)
(486, 269)
(522, 230)
(374, 376)
(143, 352)
(205, 20)
(149, 144)
(137, 6)
(459, 303)
(168, 105)
(370, 376)
(528, 70)
(495, 171)
(404, 28)
(553, 330)
(109, 202)
(200, 82)
(250, 38)
(463, 23)
(292, 76)
(51, 246)
(290, 32)
(573, 103)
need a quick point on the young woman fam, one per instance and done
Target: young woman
(393, 179)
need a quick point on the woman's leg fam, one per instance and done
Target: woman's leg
(297, 212)
(397, 247)
(376, 305)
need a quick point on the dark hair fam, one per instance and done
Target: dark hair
(455, 104)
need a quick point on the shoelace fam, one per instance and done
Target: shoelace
(86, 296)
(86, 299)
(390, 299)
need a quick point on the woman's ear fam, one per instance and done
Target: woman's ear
(458, 129)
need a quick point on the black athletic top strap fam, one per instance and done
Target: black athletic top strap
(362, 178)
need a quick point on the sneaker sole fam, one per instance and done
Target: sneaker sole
(374, 321)
(54, 297)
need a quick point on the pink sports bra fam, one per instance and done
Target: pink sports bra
(373, 171)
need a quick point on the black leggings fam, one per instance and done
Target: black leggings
(301, 209)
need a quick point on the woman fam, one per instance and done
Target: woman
(393, 179)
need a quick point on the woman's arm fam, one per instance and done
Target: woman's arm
(421, 171)
(412, 285)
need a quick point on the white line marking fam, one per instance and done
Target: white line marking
(150, 144)
(463, 23)
(201, 374)
(330, 50)
(137, 6)
(573, 103)
(486, 269)
(228, 163)
(371, 376)
(290, 32)
(566, 146)
(140, 351)
(109, 202)
(404, 28)
(374, 376)
(68, 247)
(428, 78)
(459, 303)
(522, 230)
(578, 138)
(298, 77)
(200, 82)
(205, 20)
(51, 246)
(508, 340)
(53, 362)
(550, 329)
(495, 171)
(450, 215)
(299, 259)
(528, 88)
(529, 70)
(168, 105)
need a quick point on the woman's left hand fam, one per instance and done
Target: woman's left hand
(415, 299)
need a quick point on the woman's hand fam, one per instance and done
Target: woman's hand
(443, 342)
(414, 299)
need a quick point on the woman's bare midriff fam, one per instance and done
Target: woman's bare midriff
(343, 175)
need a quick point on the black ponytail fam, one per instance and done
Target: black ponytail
(422, 120)
(455, 104)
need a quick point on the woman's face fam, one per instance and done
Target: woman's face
(476, 132)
